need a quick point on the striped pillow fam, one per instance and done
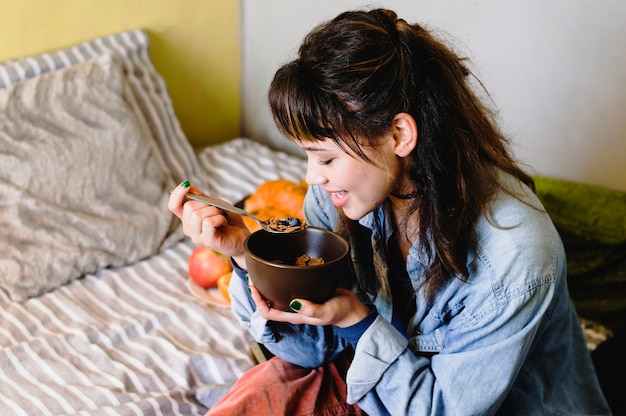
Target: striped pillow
(86, 165)
(148, 97)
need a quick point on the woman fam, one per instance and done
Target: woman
(459, 302)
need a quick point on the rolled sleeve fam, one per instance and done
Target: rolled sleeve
(244, 309)
(379, 346)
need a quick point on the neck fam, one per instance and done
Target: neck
(405, 226)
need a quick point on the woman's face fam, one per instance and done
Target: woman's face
(355, 185)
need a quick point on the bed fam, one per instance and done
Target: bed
(97, 316)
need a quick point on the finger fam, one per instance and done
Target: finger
(263, 306)
(306, 308)
(228, 215)
(271, 314)
(194, 190)
(258, 299)
(201, 221)
(177, 199)
(177, 196)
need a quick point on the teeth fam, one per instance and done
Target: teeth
(339, 194)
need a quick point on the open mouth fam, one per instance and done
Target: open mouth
(339, 198)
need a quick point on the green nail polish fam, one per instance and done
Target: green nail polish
(295, 305)
(249, 290)
(185, 184)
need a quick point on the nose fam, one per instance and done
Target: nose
(313, 174)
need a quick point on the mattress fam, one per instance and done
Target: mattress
(135, 339)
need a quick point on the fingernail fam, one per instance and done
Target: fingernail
(185, 184)
(248, 283)
(295, 305)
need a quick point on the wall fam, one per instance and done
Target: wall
(555, 70)
(195, 45)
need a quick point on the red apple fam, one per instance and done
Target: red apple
(207, 265)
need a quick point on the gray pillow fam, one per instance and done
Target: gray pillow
(82, 181)
(147, 93)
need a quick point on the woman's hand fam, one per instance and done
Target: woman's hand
(208, 225)
(342, 309)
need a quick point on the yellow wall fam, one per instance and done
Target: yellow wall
(195, 46)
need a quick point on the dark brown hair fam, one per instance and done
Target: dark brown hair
(354, 74)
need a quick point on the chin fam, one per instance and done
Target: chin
(354, 215)
(355, 209)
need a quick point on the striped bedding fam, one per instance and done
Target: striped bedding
(134, 340)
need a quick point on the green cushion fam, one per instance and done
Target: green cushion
(588, 213)
(592, 224)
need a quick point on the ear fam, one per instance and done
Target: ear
(404, 131)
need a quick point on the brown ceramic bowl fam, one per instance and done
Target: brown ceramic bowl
(270, 259)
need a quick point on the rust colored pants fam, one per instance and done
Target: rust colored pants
(277, 387)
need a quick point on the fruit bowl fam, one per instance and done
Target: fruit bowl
(271, 261)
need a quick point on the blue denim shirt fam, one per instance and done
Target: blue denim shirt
(506, 341)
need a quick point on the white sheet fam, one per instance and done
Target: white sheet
(134, 340)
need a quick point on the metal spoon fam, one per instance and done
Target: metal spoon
(228, 207)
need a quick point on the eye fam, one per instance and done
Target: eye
(325, 162)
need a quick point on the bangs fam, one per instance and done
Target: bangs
(301, 111)
(305, 112)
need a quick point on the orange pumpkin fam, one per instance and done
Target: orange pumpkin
(280, 193)
(278, 198)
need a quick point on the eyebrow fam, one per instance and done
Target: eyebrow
(314, 149)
